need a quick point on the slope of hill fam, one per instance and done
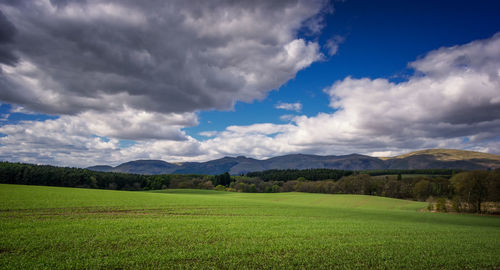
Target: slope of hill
(217, 166)
(424, 159)
(76, 228)
(441, 158)
(146, 167)
(451, 154)
(139, 167)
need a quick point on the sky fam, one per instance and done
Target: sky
(108, 81)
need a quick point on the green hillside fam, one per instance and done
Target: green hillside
(56, 228)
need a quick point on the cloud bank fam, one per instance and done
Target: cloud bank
(149, 93)
(157, 56)
(141, 70)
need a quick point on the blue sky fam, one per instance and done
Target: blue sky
(381, 38)
(404, 75)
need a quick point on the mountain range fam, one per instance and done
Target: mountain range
(424, 159)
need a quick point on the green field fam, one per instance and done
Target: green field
(55, 228)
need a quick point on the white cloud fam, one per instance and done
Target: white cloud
(264, 129)
(452, 101)
(454, 95)
(79, 140)
(140, 70)
(287, 117)
(208, 133)
(332, 45)
(454, 106)
(134, 124)
(297, 106)
(386, 153)
(143, 69)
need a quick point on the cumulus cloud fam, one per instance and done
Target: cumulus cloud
(452, 101)
(66, 141)
(140, 70)
(297, 106)
(454, 95)
(128, 124)
(73, 140)
(456, 104)
(258, 140)
(168, 57)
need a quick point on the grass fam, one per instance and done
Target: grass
(59, 228)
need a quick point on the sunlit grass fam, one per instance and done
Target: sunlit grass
(50, 227)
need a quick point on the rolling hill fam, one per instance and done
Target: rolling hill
(424, 159)
(75, 228)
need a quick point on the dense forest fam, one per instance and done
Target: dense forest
(446, 190)
(292, 174)
(322, 174)
(28, 174)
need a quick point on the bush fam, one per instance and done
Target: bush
(441, 205)
(456, 204)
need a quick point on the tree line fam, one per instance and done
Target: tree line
(332, 174)
(45, 175)
(447, 190)
(292, 174)
(467, 191)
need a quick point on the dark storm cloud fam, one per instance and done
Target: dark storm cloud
(162, 56)
(7, 33)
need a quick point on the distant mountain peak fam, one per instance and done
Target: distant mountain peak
(422, 159)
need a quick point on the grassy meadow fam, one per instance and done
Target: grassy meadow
(61, 228)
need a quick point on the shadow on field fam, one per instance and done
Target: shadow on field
(433, 218)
